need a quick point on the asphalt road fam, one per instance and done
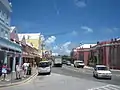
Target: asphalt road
(67, 78)
(85, 74)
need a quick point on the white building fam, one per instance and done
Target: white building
(5, 13)
(8, 49)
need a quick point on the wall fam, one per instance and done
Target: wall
(35, 42)
(86, 55)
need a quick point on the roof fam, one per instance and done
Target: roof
(29, 36)
(86, 46)
(29, 44)
(12, 28)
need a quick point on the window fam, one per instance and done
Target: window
(6, 35)
(2, 32)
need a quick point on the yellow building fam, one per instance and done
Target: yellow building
(32, 38)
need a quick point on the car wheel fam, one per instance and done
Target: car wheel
(49, 73)
(93, 75)
(110, 78)
(74, 65)
(97, 76)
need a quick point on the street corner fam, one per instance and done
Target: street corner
(19, 82)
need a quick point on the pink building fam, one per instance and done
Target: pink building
(81, 53)
(107, 53)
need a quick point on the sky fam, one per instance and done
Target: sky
(67, 23)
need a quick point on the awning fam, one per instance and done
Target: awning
(9, 44)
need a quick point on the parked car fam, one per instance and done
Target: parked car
(68, 63)
(79, 64)
(102, 71)
(44, 67)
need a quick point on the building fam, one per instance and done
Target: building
(30, 46)
(107, 53)
(8, 49)
(34, 39)
(81, 53)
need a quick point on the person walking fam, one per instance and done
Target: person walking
(4, 72)
(18, 70)
(29, 70)
(25, 67)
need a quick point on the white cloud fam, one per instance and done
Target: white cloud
(80, 3)
(111, 30)
(42, 38)
(64, 49)
(50, 40)
(74, 33)
(88, 30)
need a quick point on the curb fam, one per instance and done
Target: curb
(18, 83)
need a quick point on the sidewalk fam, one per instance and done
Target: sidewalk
(11, 78)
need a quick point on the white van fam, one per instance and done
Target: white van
(79, 64)
(44, 67)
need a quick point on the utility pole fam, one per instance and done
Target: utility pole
(42, 48)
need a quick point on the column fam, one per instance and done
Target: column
(98, 56)
(20, 60)
(5, 57)
(107, 56)
(14, 62)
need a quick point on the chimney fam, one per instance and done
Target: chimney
(98, 42)
(115, 39)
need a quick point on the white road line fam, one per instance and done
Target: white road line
(107, 87)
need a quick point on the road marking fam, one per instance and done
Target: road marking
(107, 87)
(77, 70)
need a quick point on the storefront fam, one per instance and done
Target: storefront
(9, 53)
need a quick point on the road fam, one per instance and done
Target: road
(68, 78)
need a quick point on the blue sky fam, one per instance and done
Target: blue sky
(85, 21)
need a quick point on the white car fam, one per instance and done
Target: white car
(102, 71)
(79, 63)
(44, 67)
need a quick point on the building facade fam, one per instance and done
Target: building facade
(81, 53)
(30, 54)
(107, 53)
(34, 39)
(8, 48)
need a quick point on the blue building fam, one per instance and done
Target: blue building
(10, 52)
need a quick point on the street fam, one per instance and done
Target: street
(68, 78)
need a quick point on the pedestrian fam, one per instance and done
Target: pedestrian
(29, 70)
(25, 66)
(4, 72)
(18, 70)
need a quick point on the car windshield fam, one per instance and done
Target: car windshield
(102, 68)
(44, 64)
